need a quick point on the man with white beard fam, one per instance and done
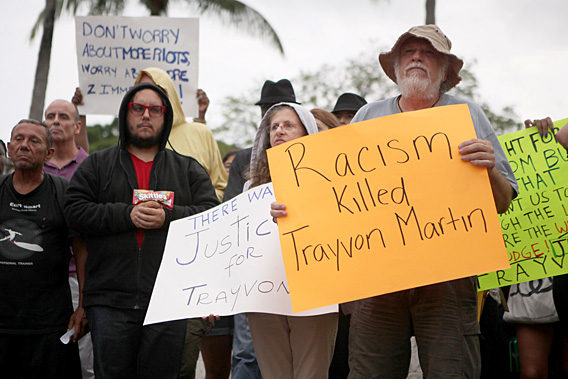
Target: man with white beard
(443, 316)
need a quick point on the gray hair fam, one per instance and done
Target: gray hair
(38, 123)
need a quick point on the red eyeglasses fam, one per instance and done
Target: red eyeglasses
(153, 110)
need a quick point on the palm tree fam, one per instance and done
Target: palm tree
(43, 59)
(231, 11)
(430, 12)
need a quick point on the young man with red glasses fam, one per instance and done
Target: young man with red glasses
(126, 238)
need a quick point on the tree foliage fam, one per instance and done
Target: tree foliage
(230, 12)
(321, 87)
(103, 136)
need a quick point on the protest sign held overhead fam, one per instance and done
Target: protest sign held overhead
(384, 205)
(111, 51)
(535, 228)
(224, 261)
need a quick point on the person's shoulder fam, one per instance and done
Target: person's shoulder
(109, 151)
(454, 100)
(375, 109)
(60, 184)
(192, 127)
(56, 178)
(100, 159)
(378, 104)
(81, 155)
(180, 158)
(244, 153)
(481, 123)
(49, 167)
(242, 157)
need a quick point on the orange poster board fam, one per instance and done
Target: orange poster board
(383, 205)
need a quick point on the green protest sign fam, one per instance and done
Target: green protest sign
(535, 228)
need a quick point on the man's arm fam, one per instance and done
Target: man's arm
(83, 209)
(78, 318)
(203, 196)
(202, 105)
(81, 139)
(562, 136)
(480, 153)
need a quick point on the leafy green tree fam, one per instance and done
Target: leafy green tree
(232, 12)
(241, 118)
(103, 136)
(321, 87)
(224, 148)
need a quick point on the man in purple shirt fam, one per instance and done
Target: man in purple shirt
(63, 121)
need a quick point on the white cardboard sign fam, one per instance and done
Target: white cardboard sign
(224, 261)
(111, 51)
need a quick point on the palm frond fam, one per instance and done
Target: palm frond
(156, 7)
(38, 22)
(240, 15)
(229, 11)
(106, 7)
(68, 5)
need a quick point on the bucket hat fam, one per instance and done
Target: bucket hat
(439, 41)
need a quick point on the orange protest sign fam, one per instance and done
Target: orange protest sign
(383, 205)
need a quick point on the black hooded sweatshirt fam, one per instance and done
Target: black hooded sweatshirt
(98, 204)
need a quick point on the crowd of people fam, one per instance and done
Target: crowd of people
(80, 252)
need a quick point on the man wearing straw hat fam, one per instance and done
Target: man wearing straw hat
(442, 316)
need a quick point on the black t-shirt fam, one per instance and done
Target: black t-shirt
(34, 260)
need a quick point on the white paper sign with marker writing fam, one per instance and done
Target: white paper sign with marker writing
(111, 52)
(224, 261)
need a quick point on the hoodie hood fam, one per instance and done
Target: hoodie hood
(168, 116)
(262, 138)
(163, 80)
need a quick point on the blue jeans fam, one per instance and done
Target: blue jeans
(244, 364)
(123, 348)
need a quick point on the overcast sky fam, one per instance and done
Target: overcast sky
(517, 45)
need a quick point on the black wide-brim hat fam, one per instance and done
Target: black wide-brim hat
(279, 92)
(348, 102)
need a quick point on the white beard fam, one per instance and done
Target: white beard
(413, 85)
